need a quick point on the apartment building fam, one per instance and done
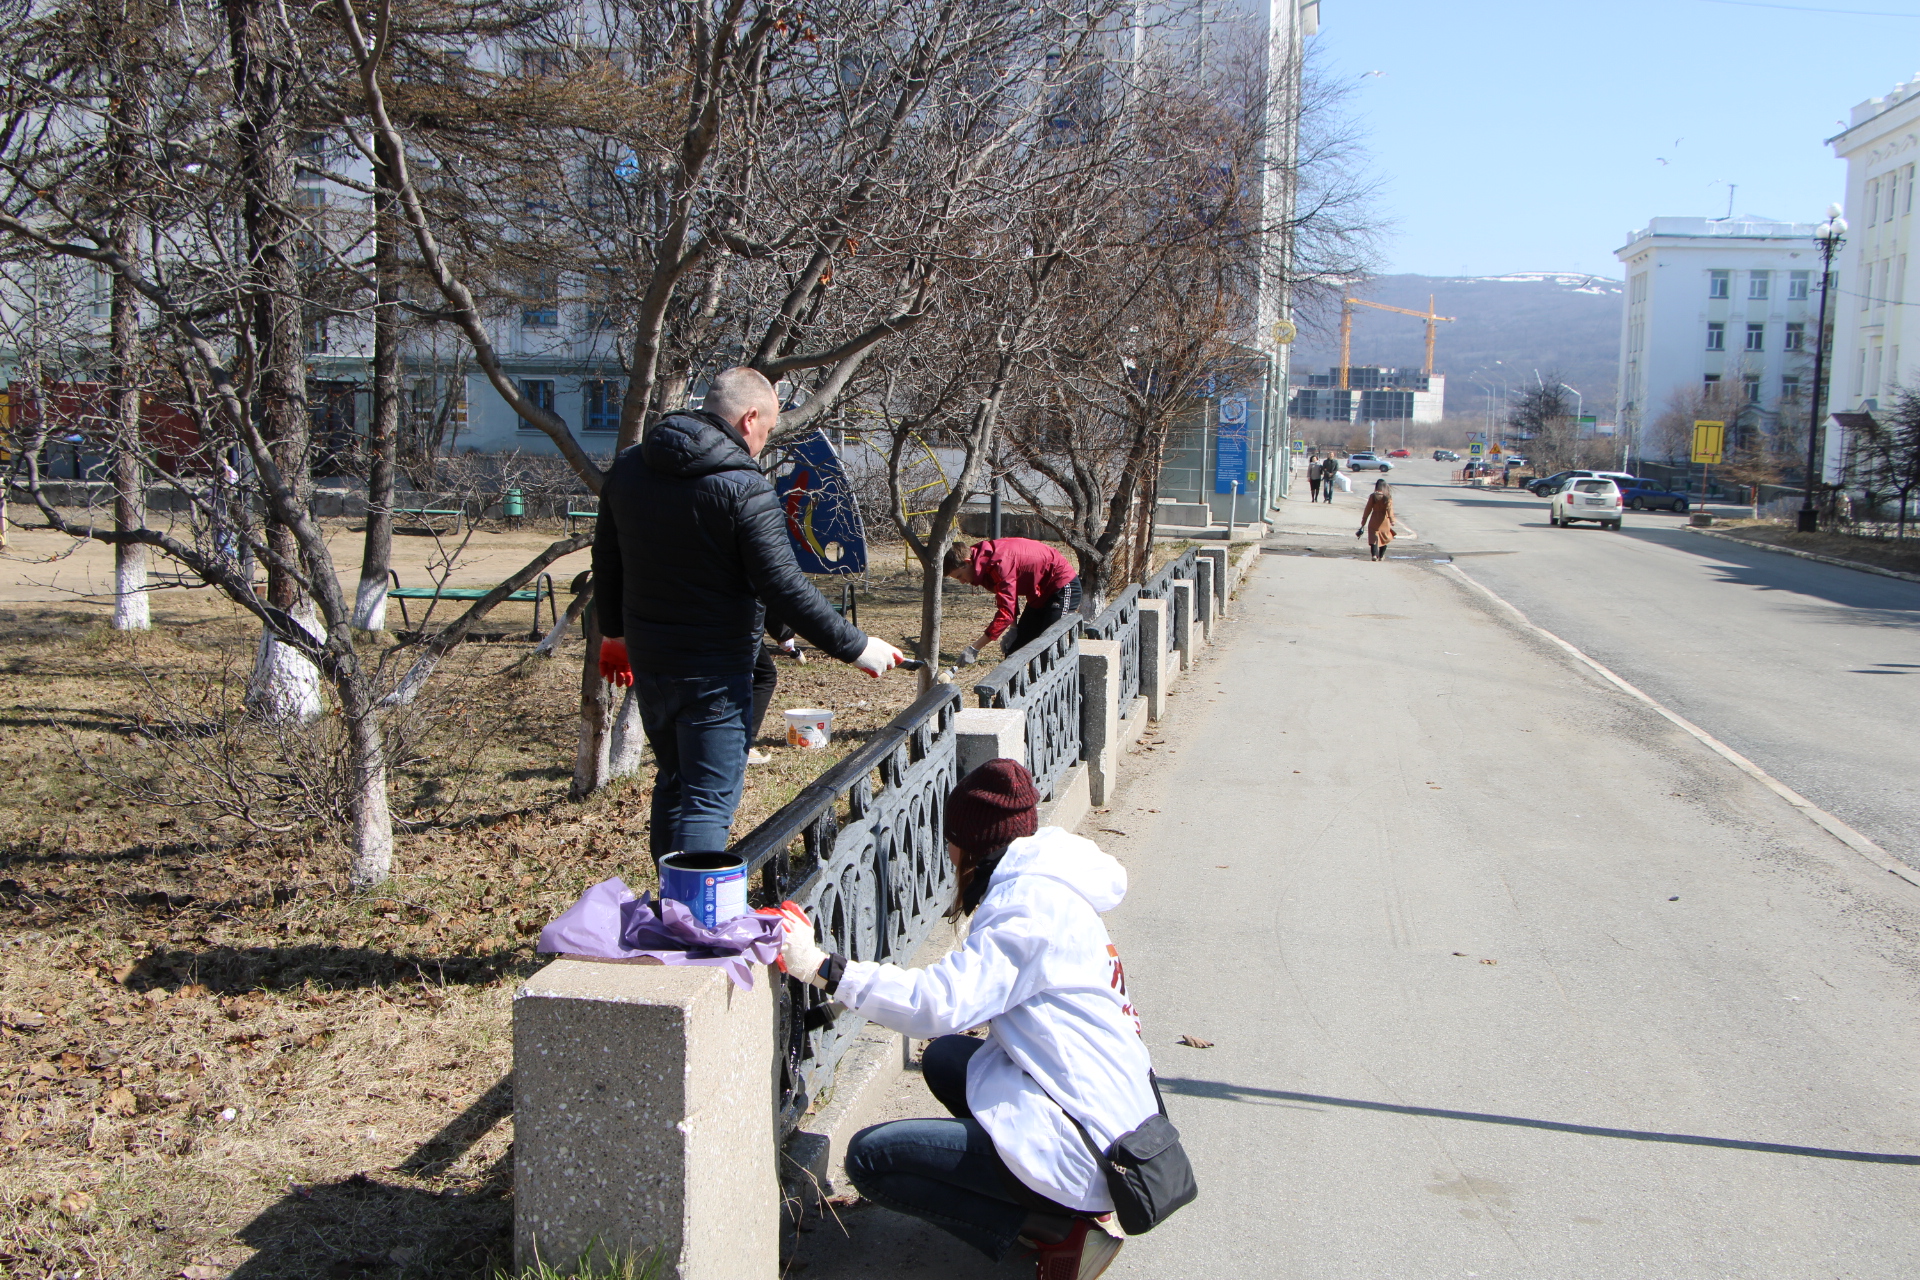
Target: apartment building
(1719, 312)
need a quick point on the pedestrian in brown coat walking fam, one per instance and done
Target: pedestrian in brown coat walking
(1376, 521)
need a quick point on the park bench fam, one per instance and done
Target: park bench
(422, 513)
(542, 589)
(573, 515)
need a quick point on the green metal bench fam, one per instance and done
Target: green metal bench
(573, 515)
(542, 589)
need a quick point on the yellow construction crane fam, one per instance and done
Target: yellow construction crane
(1346, 330)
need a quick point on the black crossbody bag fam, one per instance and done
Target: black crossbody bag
(1147, 1171)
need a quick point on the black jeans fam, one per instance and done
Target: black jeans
(765, 677)
(1039, 615)
(946, 1171)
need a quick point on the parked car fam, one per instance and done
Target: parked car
(1547, 484)
(1445, 455)
(1368, 462)
(1514, 460)
(1586, 498)
(1642, 495)
(1399, 453)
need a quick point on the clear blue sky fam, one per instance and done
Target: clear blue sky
(1528, 136)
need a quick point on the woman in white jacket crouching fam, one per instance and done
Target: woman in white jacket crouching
(1009, 1170)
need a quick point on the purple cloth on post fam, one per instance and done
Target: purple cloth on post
(609, 923)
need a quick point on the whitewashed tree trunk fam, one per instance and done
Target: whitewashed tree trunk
(370, 603)
(592, 759)
(285, 685)
(130, 608)
(627, 743)
(371, 860)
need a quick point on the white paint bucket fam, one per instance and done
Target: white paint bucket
(809, 727)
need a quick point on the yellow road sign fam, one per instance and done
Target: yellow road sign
(1284, 332)
(1709, 441)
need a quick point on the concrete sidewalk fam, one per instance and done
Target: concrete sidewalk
(1507, 977)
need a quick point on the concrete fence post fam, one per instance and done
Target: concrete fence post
(1220, 558)
(643, 1120)
(1180, 592)
(1153, 656)
(1203, 598)
(989, 734)
(1100, 717)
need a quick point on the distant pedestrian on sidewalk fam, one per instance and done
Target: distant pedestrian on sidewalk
(1329, 474)
(1376, 522)
(1062, 1067)
(1012, 568)
(1313, 476)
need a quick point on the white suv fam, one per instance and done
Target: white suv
(1368, 462)
(1586, 498)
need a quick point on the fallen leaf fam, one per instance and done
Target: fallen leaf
(1113, 831)
(25, 1019)
(120, 1102)
(199, 1271)
(1459, 953)
(45, 1070)
(1489, 962)
(1195, 1042)
(76, 1204)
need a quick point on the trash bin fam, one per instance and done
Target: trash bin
(514, 506)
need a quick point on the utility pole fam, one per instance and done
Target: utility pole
(1831, 234)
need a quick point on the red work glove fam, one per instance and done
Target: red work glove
(613, 662)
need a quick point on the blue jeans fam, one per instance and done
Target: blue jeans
(697, 727)
(946, 1171)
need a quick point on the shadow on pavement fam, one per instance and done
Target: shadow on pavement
(862, 1241)
(1878, 601)
(1222, 1091)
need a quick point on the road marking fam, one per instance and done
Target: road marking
(1831, 825)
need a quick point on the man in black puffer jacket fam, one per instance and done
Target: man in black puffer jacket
(690, 542)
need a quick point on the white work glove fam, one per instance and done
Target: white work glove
(878, 657)
(800, 955)
(970, 655)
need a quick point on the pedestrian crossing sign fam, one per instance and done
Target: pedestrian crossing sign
(1476, 448)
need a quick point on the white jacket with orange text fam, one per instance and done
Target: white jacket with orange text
(1038, 969)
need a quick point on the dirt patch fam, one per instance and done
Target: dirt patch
(212, 1056)
(1902, 554)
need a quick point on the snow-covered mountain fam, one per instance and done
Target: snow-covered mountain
(1526, 320)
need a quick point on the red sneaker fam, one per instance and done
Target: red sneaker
(1085, 1253)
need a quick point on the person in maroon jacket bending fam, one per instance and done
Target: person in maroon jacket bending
(1012, 568)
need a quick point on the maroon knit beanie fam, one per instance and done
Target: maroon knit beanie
(993, 805)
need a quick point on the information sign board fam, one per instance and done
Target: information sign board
(1709, 441)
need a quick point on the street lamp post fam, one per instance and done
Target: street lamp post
(1831, 234)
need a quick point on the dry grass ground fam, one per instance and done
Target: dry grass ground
(215, 1062)
(1886, 553)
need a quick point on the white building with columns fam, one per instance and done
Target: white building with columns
(1720, 314)
(1881, 146)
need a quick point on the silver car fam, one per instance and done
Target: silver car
(1368, 462)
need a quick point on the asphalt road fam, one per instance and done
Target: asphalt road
(1812, 672)
(1506, 976)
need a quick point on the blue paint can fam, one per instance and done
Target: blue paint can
(712, 885)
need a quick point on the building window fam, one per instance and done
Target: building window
(1710, 386)
(540, 308)
(317, 336)
(1758, 282)
(1880, 294)
(1756, 337)
(1750, 385)
(1717, 283)
(1716, 336)
(1908, 206)
(602, 396)
(1790, 387)
(603, 299)
(540, 392)
(1797, 282)
(1796, 337)
(1873, 202)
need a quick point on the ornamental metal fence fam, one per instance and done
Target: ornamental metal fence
(1121, 621)
(1043, 680)
(871, 868)
(1159, 586)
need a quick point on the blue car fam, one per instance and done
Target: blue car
(1650, 495)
